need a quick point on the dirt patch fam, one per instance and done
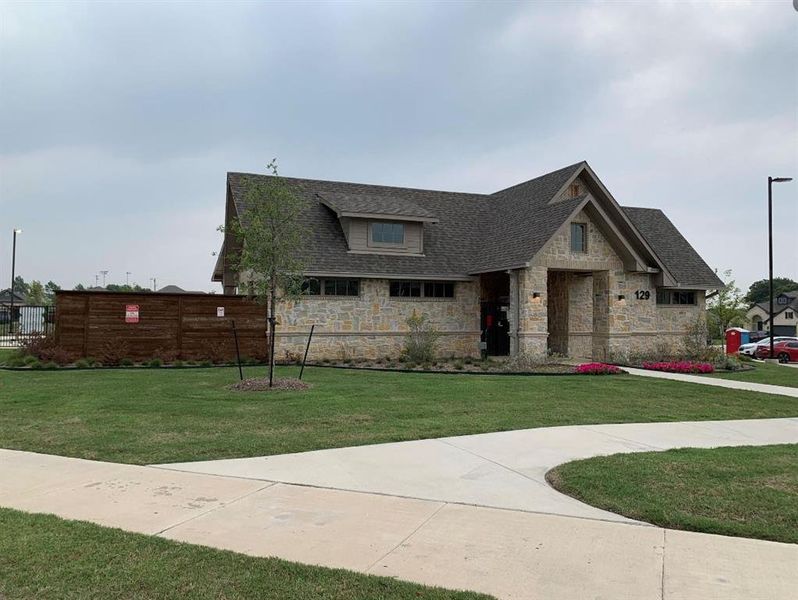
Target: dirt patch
(261, 384)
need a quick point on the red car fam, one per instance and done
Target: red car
(785, 351)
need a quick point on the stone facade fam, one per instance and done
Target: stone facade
(608, 309)
(583, 304)
(373, 324)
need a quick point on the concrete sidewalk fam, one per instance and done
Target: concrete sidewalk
(508, 553)
(500, 470)
(732, 384)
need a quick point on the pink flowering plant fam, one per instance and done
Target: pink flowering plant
(679, 366)
(597, 368)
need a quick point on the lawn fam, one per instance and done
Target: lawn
(741, 491)
(42, 556)
(765, 373)
(168, 415)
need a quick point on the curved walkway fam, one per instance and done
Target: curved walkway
(498, 470)
(470, 512)
(732, 384)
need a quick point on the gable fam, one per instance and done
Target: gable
(599, 254)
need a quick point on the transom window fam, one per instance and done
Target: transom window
(578, 237)
(331, 286)
(421, 289)
(388, 233)
(675, 297)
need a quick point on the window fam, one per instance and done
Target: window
(675, 297)
(388, 233)
(782, 300)
(578, 237)
(438, 289)
(419, 289)
(789, 315)
(331, 287)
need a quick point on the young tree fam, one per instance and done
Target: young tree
(270, 237)
(760, 290)
(35, 293)
(726, 308)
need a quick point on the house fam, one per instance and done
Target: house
(785, 309)
(553, 264)
(5, 298)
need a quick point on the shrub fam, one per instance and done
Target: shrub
(214, 351)
(155, 363)
(421, 339)
(206, 363)
(292, 358)
(680, 366)
(17, 361)
(178, 364)
(458, 365)
(113, 352)
(525, 362)
(50, 365)
(29, 359)
(44, 348)
(126, 362)
(166, 356)
(91, 360)
(82, 363)
(597, 369)
(695, 340)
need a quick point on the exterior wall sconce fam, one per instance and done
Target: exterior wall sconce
(536, 297)
(621, 299)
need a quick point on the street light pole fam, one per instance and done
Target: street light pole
(771, 181)
(13, 277)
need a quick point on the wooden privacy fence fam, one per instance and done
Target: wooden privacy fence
(148, 325)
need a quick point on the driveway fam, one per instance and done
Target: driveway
(470, 512)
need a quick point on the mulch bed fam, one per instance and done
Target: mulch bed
(261, 384)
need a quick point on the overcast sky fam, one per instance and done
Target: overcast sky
(118, 121)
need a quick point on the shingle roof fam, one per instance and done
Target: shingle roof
(346, 204)
(673, 249)
(474, 233)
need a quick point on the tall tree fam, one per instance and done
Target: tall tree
(21, 287)
(50, 289)
(726, 308)
(270, 238)
(760, 290)
(35, 293)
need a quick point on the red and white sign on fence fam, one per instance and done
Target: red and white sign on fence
(131, 313)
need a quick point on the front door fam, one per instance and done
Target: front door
(495, 328)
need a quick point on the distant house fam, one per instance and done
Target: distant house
(173, 289)
(5, 298)
(551, 265)
(785, 309)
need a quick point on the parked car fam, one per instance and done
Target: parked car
(751, 349)
(785, 351)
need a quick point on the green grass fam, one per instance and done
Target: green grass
(6, 353)
(742, 491)
(764, 373)
(163, 415)
(44, 557)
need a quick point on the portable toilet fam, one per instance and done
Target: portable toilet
(736, 337)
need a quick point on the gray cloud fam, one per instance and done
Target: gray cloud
(119, 121)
